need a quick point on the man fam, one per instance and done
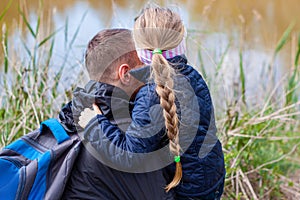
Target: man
(109, 57)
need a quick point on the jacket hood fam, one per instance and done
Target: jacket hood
(112, 101)
(65, 117)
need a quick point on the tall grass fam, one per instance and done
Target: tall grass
(30, 87)
(260, 142)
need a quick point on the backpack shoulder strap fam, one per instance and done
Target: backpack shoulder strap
(56, 128)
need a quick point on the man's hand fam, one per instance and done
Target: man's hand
(87, 114)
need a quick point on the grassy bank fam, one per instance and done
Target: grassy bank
(260, 141)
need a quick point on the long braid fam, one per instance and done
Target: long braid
(162, 28)
(163, 77)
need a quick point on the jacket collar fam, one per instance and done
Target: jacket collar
(143, 74)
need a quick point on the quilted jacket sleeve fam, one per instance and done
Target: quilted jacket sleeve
(144, 135)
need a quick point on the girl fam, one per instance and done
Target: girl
(185, 107)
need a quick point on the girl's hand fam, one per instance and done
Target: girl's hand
(87, 114)
(97, 110)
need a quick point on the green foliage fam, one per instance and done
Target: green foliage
(30, 28)
(242, 77)
(291, 96)
(5, 48)
(261, 143)
(5, 10)
(29, 92)
(257, 149)
(284, 38)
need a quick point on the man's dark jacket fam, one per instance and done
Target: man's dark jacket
(91, 179)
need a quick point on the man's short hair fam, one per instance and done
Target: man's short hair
(108, 48)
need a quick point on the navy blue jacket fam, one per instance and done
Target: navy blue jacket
(144, 145)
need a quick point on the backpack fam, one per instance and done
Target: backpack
(37, 165)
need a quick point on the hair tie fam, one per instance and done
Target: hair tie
(156, 51)
(177, 159)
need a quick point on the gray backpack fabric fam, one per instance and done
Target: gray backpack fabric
(37, 165)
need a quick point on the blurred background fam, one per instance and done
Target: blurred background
(218, 31)
(247, 51)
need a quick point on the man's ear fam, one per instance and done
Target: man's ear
(124, 74)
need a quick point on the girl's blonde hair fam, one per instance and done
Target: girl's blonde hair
(161, 28)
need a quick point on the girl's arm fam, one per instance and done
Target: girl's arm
(141, 146)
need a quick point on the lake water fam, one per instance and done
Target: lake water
(217, 32)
